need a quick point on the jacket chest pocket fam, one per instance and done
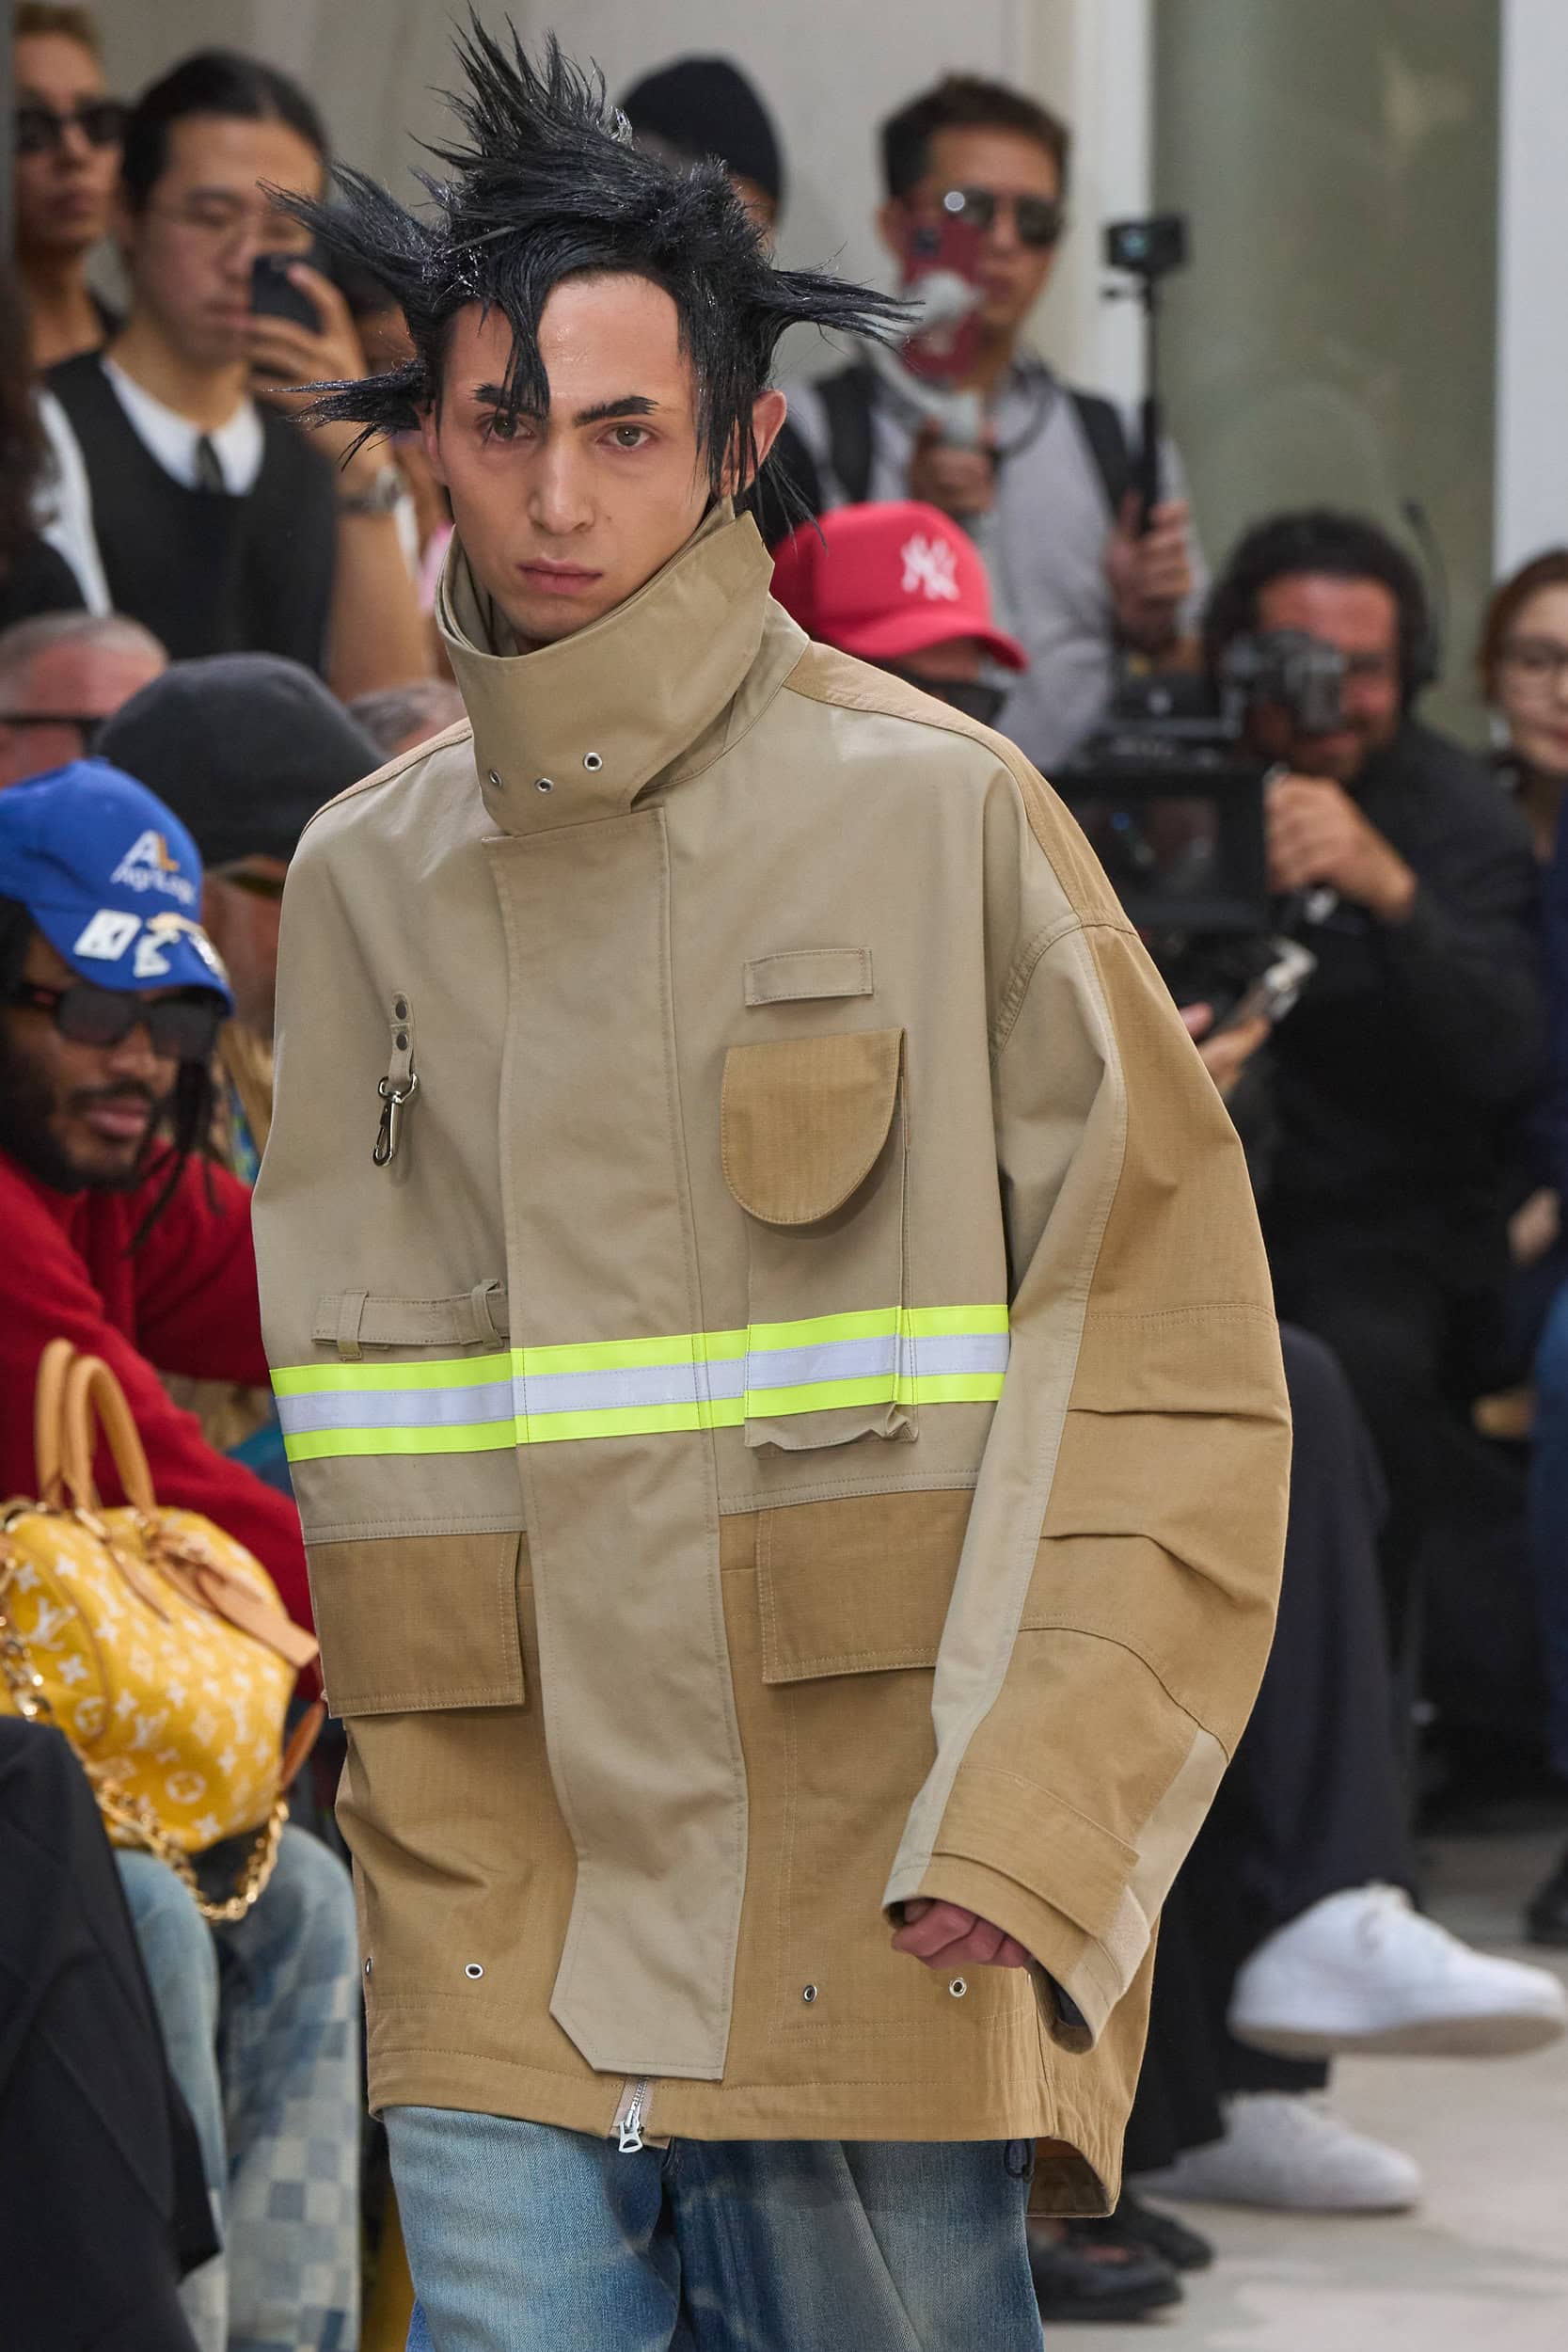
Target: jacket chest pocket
(816, 1152)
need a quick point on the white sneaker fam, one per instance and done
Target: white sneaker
(1362, 1971)
(1289, 2154)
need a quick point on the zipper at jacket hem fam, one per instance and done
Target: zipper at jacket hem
(631, 2115)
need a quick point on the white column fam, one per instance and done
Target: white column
(1530, 508)
(1091, 61)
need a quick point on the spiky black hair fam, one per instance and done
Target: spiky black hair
(546, 185)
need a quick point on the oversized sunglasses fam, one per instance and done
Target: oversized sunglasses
(180, 1028)
(39, 129)
(1038, 219)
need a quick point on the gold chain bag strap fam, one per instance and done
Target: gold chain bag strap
(152, 1639)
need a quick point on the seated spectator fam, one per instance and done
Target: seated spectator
(402, 717)
(218, 521)
(1418, 1040)
(1523, 669)
(34, 577)
(244, 749)
(111, 997)
(65, 146)
(697, 106)
(1050, 492)
(61, 677)
(118, 1238)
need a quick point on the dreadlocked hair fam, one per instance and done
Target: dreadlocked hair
(547, 185)
(188, 1121)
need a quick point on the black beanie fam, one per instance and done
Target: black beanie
(706, 107)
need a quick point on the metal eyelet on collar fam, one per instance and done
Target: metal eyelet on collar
(543, 784)
(592, 761)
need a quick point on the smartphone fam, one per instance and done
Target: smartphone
(941, 273)
(1274, 994)
(273, 294)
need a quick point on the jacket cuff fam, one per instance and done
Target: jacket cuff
(1076, 1984)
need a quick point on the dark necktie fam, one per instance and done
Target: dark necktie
(209, 465)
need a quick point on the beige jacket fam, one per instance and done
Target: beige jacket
(796, 1424)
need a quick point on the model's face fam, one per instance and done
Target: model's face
(1004, 166)
(64, 189)
(48, 712)
(189, 250)
(1530, 685)
(1362, 618)
(77, 1115)
(563, 516)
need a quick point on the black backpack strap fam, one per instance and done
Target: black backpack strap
(847, 401)
(1106, 434)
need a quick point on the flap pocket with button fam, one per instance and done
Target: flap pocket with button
(814, 1150)
(411, 1623)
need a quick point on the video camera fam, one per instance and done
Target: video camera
(1172, 807)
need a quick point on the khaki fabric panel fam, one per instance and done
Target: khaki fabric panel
(415, 1622)
(804, 1120)
(859, 1586)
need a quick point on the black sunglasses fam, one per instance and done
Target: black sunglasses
(973, 696)
(39, 129)
(1038, 219)
(180, 1028)
(90, 724)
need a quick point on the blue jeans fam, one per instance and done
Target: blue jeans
(524, 2238)
(260, 2021)
(1549, 1504)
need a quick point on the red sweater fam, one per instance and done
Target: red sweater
(185, 1302)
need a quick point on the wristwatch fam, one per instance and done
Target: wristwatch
(380, 495)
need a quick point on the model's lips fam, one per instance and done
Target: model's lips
(560, 579)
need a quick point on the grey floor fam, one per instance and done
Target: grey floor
(1484, 2259)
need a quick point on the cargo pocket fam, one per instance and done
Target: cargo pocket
(410, 1623)
(816, 1152)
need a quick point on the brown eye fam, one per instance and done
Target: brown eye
(499, 426)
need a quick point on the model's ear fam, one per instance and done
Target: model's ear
(767, 416)
(430, 433)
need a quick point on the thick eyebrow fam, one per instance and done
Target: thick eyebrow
(630, 404)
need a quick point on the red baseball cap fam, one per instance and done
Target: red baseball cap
(890, 580)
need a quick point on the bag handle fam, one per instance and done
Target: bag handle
(94, 1400)
(49, 1420)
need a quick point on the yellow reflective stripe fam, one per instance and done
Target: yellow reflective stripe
(457, 1371)
(483, 1437)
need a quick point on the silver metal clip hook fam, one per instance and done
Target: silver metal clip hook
(393, 1097)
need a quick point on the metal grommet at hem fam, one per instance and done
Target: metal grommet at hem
(495, 780)
(367, 1968)
(808, 1994)
(592, 761)
(473, 1969)
(958, 1988)
(543, 784)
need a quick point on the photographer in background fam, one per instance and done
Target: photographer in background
(1420, 1038)
(1070, 568)
(220, 524)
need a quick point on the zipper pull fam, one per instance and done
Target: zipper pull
(401, 1084)
(628, 2123)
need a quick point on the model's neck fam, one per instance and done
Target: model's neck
(206, 395)
(60, 310)
(992, 361)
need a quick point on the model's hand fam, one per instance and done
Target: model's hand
(1318, 836)
(945, 1936)
(960, 481)
(1151, 573)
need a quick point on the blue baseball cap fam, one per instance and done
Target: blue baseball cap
(110, 877)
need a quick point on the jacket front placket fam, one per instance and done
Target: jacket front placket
(606, 1309)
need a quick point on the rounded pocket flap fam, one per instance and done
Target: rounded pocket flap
(804, 1120)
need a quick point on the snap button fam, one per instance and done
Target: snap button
(473, 1969)
(495, 780)
(543, 784)
(592, 761)
(400, 1008)
(809, 1995)
(958, 1988)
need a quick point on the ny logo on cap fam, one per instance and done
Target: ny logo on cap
(931, 567)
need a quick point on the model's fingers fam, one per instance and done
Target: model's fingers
(940, 1926)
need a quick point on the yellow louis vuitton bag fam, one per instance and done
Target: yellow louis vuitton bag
(152, 1639)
